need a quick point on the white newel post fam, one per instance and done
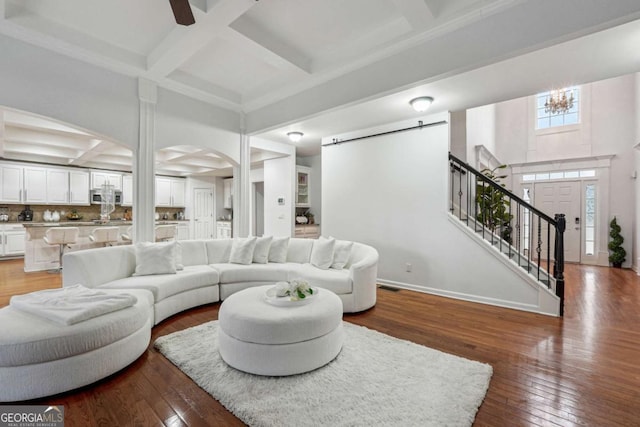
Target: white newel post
(144, 165)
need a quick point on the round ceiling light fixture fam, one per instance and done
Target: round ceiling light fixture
(295, 136)
(421, 103)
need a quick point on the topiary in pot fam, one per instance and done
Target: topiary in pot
(616, 251)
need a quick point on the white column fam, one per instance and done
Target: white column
(244, 205)
(144, 186)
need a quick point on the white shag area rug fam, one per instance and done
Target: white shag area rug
(375, 380)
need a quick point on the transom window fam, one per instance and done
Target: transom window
(545, 176)
(545, 120)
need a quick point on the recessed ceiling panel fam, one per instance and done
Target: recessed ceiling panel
(135, 25)
(315, 28)
(226, 63)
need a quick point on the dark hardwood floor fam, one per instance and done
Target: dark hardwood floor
(583, 369)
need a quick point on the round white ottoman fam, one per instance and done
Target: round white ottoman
(257, 337)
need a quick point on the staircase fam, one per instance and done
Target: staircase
(530, 239)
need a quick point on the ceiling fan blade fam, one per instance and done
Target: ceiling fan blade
(182, 12)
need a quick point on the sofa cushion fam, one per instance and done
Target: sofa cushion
(166, 285)
(232, 273)
(155, 258)
(322, 252)
(341, 254)
(278, 249)
(218, 250)
(194, 252)
(28, 339)
(261, 251)
(299, 250)
(337, 281)
(93, 267)
(242, 251)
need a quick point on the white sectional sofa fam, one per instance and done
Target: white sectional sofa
(208, 275)
(40, 358)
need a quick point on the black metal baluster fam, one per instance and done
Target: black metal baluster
(451, 184)
(549, 253)
(460, 195)
(539, 247)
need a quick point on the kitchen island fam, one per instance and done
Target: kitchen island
(39, 256)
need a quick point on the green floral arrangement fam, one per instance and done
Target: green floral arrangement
(296, 289)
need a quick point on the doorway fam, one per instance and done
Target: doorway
(203, 213)
(562, 197)
(257, 227)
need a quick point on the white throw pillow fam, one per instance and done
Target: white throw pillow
(261, 251)
(278, 249)
(322, 252)
(341, 254)
(242, 250)
(155, 258)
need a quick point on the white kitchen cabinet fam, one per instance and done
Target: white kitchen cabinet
(11, 183)
(35, 185)
(228, 193)
(182, 232)
(170, 192)
(12, 239)
(98, 179)
(67, 187)
(223, 230)
(57, 186)
(79, 187)
(177, 192)
(127, 190)
(303, 175)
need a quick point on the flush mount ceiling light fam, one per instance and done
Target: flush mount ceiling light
(421, 103)
(295, 136)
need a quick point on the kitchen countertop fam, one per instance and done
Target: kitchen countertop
(85, 223)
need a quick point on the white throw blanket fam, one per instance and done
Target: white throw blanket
(72, 304)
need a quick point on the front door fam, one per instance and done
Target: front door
(555, 198)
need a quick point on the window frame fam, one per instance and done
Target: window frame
(563, 127)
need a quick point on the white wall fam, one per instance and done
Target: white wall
(481, 130)
(42, 82)
(185, 121)
(608, 127)
(391, 193)
(279, 183)
(315, 187)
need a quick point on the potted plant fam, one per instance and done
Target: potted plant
(492, 207)
(616, 251)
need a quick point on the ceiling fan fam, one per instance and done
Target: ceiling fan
(182, 12)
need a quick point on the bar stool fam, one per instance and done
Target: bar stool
(106, 235)
(128, 235)
(61, 236)
(165, 233)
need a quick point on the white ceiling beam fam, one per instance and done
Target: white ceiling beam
(96, 148)
(416, 12)
(58, 38)
(184, 42)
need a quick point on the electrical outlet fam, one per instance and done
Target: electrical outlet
(408, 265)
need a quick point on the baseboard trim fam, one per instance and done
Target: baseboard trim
(467, 297)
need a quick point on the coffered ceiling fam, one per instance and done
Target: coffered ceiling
(320, 66)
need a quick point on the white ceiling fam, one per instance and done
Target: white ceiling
(327, 67)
